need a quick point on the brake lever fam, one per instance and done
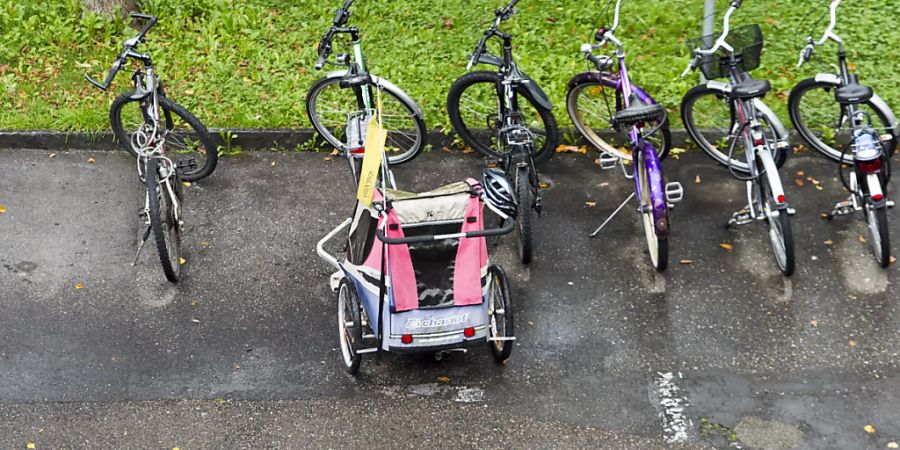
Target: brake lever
(691, 67)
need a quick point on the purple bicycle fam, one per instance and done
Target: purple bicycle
(601, 99)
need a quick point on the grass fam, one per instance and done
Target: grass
(248, 63)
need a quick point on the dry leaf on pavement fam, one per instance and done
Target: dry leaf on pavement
(829, 242)
(869, 429)
(91, 160)
(697, 180)
(852, 343)
(687, 261)
(726, 246)
(590, 204)
(79, 285)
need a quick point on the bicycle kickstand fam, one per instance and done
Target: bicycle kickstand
(141, 246)
(608, 219)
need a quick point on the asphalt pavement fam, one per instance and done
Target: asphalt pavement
(720, 351)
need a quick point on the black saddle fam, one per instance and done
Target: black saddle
(751, 89)
(853, 94)
(638, 111)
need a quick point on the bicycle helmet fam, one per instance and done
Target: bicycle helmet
(498, 191)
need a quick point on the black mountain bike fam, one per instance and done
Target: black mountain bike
(486, 111)
(848, 123)
(348, 96)
(170, 144)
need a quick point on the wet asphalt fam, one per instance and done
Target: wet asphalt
(720, 351)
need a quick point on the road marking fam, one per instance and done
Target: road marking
(677, 426)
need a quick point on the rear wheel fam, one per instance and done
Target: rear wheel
(708, 119)
(163, 221)
(657, 246)
(779, 225)
(500, 314)
(525, 219)
(592, 105)
(473, 106)
(349, 326)
(876, 219)
(188, 142)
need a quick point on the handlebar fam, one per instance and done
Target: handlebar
(502, 14)
(127, 52)
(720, 42)
(341, 17)
(507, 228)
(807, 52)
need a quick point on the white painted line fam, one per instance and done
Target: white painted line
(677, 426)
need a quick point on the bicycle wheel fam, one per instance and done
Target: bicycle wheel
(328, 106)
(876, 219)
(709, 120)
(166, 227)
(779, 225)
(502, 323)
(592, 105)
(473, 107)
(188, 142)
(349, 326)
(657, 246)
(525, 219)
(823, 123)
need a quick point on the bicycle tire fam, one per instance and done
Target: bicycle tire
(550, 127)
(577, 86)
(795, 100)
(657, 246)
(876, 219)
(176, 148)
(688, 118)
(502, 349)
(331, 129)
(166, 230)
(347, 299)
(525, 219)
(779, 228)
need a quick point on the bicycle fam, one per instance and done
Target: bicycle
(328, 106)
(517, 139)
(152, 142)
(853, 139)
(750, 123)
(601, 99)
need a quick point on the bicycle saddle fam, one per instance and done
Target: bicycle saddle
(853, 94)
(751, 88)
(638, 111)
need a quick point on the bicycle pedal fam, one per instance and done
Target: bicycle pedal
(674, 192)
(739, 218)
(608, 162)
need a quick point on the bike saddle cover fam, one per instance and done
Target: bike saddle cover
(853, 94)
(751, 88)
(638, 111)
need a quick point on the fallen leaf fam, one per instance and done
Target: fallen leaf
(30, 446)
(597, 162)
(195, 320)
(800, 173)
(799, 182)
(893, 259)
(273, 163)
(819, 187)
(823, 215)
(544, 185)
(445, 149)
(181, 261)
(892, 444)
(590, 204)
(687, 261)
(327, 158)
(52, 155)
(726, 246)
(530, 323)
(862, 238)
(569, 149)
(604, 184)
(814, 322)
(335, 152)
(187, 184)
(829, 242)
(869, 429)
(852, 344)
(468, 150)
(697, 180)
(444, 379)
(2, 209)
(79, 285)
(204, 244)
(91, 160)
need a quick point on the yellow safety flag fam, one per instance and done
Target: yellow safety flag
(376, 138)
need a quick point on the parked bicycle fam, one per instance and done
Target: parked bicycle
(601, 99)
(153, 128)
(847, 122)
(486, 111)
(729, 122)
(350, 93)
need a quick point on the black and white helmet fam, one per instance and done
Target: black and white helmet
(499, 191)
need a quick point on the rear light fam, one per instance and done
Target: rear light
(406, 339)
(781, 198)
(878, 197)
(869, 166)
(358, 151)
(758, 142)
(469, 332)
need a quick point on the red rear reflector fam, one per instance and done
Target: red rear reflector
(358, 151)
(406, 339)
(469, 332)
(781, 198)
(878, 197)
(869, 166)
(758, 142)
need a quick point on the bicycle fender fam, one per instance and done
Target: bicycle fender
(892, 119)
(490, 60)
(536, 92)
(592, 77)
(773, 119)
(388, 86)
(829, 78)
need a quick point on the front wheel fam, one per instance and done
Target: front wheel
(779, 223)
(525, 219)
(710, 117)
(328, 106)
(823, 123)
(502, 326)
(164, 222)
(187, 141)
(655, 219)
(876, 219)
(474, 108)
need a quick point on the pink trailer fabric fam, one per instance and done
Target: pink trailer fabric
(403, 277)
(471, 256)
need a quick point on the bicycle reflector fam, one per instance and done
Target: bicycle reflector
(469, 332)
(872, 166)
(406, 339)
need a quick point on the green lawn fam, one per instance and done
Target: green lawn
(248, 63)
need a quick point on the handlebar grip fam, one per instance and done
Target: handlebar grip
(151, 22)
(737, 3)
(321, 62)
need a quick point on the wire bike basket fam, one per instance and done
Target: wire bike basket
(747, 42)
